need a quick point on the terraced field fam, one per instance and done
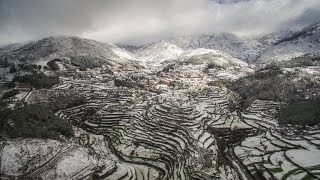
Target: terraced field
(277, 152)
(191, 134)
(165, 133)
(185, 131)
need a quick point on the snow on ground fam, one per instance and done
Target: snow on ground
(18, 154)
(122, 53)
(159, 52)
(49, 158)
(295, 45)
(305, 158)
(74, 162)
(199, 51)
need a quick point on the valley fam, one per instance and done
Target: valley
(170, 110)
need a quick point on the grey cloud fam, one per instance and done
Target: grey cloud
(141, 21)
(309, 16)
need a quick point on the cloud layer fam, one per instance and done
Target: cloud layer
(134, 22)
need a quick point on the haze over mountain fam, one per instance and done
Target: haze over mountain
(283, 45)
(127, 22)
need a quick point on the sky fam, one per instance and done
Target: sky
(143, 21)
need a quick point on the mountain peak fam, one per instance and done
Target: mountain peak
(87, 51)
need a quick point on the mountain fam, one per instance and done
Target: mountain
(129, 48)
(121, 52)
(44, 50)
(282, 45)
(209, 56)
(158, 52)
(273, 38)
(245, 50)
(297, 44)
(214, 63)
(226, 42)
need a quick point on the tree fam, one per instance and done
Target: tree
(37, 80)
(12, 69)
(9, 94)
(53, 65)
(33, 121)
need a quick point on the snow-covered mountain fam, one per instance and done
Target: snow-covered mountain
(163, 51)
(225, 42)
(282, 45)
(217, 64)
(297, 44)
(158, 52)
(211, 56)
(44, 50)
(121, 52)
(272, 38)
(173, 48)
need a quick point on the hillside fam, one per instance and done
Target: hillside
(282, 45)
(275, 37)
(158, 52)
(44, 50)
(245, 50)
(297, 44)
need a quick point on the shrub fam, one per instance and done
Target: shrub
(65, 101)
(269, 71)
(82, 68)
(34, 121)
(212, 66)
(4, 63)
(168, 68)
(12, 69)
(28, 67)
(302, 61)
(37, 80)
(270, 84)
(123, 82)
(87, 62)
(53, 65)
(46, 68)
(305, 112)
(10, 94)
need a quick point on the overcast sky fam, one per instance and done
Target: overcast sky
(140, 21)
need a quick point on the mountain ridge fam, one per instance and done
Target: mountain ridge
(63, 47)
(280, 45)
(297, 44)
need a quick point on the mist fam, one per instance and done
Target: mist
(143, 21)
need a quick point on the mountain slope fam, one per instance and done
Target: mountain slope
(44, 50)
(121, 52)
(275, 37)
(302, 42)
(158, 52)
(163, 52)
(245, 50)
(225, 42)
(210, 56)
